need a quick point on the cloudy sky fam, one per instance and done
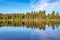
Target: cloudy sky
(16, 6)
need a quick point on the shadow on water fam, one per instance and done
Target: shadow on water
(31, 24)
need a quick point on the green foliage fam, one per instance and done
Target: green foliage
(30, 15)
(53, 15)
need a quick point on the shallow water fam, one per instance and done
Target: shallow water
(28, 32)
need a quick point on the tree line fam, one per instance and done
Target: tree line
(30, 15)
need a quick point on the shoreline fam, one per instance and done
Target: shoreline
(36, 20)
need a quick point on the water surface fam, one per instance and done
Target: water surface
(47, 31)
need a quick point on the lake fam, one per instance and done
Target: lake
(29, 30)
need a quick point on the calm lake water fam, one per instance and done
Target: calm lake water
(42, 32)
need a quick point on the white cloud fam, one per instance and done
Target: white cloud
(45, 5)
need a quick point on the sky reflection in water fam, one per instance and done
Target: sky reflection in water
(23, 33)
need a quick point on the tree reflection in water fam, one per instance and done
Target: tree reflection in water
(31, 24)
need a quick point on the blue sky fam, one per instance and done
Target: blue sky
(17, 6)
